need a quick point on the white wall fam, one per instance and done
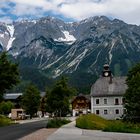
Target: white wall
(110, 107)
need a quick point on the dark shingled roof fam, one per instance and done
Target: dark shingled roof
(13, 96)
(103, 87)
(80, 95)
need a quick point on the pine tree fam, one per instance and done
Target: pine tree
(132, 95)
(9, 75)
(31, 100)
(58, 98)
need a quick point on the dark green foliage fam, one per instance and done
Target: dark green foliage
(58, 98)
(132, 95)
(35, 76)
(56, 123)
(20, 87)
(9, 75)
(82, 81)
(31, 100)
(5, 107)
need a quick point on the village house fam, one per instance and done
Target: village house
(81, 105)
(17, 112)
(107, 95)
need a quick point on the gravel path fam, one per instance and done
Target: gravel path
(41, 134)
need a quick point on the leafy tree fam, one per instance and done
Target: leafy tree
(58, 98)
(132, 95)
(5, 107)
(31, 100)
(9, 75)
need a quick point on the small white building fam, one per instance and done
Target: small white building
(107, 95)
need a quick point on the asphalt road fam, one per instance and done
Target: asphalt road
(14, 132)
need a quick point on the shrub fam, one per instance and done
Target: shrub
(5, 107)
(4, 121)
(56, 123)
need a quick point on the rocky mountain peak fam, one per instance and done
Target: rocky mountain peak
(56, 47)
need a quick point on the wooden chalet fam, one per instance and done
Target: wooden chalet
(81, 105)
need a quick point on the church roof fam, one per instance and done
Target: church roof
(106, 87)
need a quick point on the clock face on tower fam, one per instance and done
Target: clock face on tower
(106, 74)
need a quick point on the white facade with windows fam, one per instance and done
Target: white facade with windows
(107, 107)
(107, 95)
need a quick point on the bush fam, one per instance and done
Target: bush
(56, 123)
(5, 107)
(5, 121)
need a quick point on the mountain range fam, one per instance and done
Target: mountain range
(52, 47)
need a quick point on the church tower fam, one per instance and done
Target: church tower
(106, 71)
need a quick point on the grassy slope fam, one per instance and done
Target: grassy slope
(94, 122)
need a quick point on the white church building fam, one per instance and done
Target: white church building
(107, 95)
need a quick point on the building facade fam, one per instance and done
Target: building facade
(80, 105)
(107, 95)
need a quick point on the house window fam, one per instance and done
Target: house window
(117, 111)
(97, 101)
(97, 112)
(116, 101)
(105, 101)
(105, 112)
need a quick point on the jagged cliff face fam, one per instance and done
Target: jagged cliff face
(56, 47)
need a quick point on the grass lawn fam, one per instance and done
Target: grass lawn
(5, 121)
(95, 122)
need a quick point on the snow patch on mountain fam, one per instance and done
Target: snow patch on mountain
(10, 43)
(57, 72)
(1, 43)
(2, 35)
(96, 59)
(11, 31)
(78, 59)
(125, 48)
(110, 51)
(70, 53)
(15, 54)
(68, 37)
(34, 21)
(48, 66)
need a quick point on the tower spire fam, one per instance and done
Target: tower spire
(106, 71)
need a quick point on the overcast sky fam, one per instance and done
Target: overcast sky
(70, 10)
